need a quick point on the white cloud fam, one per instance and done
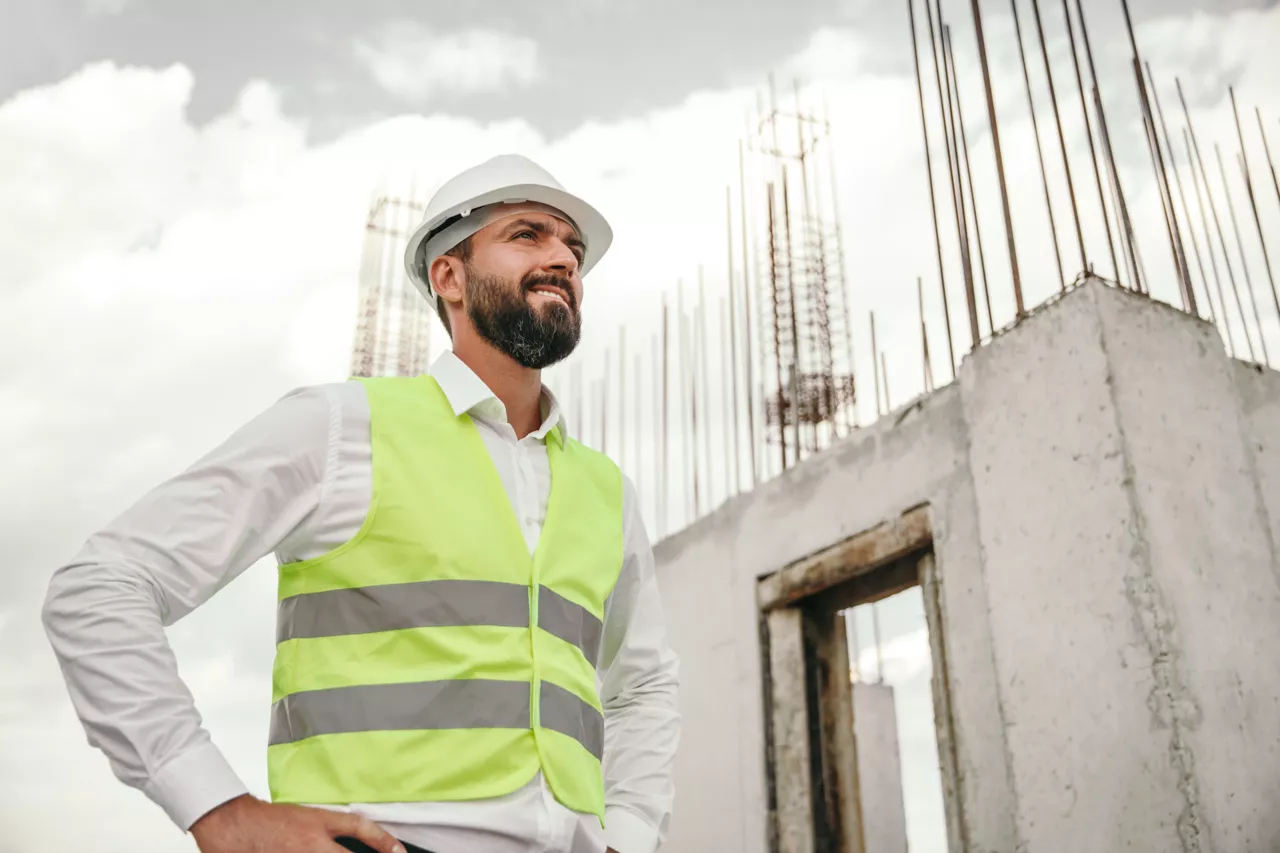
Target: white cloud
(903, 658)
(414, 62)
(163, 282)
(831, 55)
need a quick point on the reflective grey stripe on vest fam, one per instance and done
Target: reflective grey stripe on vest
(435, 604)
(426, 604)
(475, 704)
(562, 711)
(571, 622)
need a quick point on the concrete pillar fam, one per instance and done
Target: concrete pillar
(1131, 581)
(875, 729)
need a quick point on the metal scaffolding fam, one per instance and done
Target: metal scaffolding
(393, 323)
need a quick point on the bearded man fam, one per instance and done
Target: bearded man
(470, 654)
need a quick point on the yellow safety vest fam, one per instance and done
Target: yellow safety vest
(431, 657)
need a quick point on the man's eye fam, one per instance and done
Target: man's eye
(525, 234)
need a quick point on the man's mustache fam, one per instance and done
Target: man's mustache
(532, 281)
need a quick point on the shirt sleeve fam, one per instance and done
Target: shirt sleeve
(638, 692)
(105, 612)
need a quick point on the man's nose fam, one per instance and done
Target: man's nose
(562, 260)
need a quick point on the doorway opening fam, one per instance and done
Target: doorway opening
(859, 746)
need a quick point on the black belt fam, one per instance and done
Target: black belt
(360, 847)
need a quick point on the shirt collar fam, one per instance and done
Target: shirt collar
(467, 394)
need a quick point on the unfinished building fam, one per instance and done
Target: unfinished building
(1088, 517)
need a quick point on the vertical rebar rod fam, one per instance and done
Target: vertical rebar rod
(691, 325)
(1244, 263)
(875, 621)
(884, 368)
(604, 405)
(1217, 221)
(1208, 242)
(701, 412)
(593, 439)
(819, 314)
(789, 281)
(660, 426)
(1062, 137)
(1166, 196)
(728, 408)
(949, 56)
(995, 142)
(763, 279)
(933, 203)
(850, 409)
(796, 364)
(1123, 224)
(703, 334)
(640, 477)
(1267, 148)
(924, 338)
(622, 396)
(1130, 244)
(947, 111)
(746, 316)
(682, 344)
(973, 192)
(731, 421)
(1088, 131)
(1162, 177)
(777, 330)
(1177, 177)
(579, 425)
(660, 412)
(1035, 131)
(875, 363)
(1253, 202)
(382, 342)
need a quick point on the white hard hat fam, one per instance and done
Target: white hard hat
(454, 211)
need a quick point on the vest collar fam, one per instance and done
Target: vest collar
(467, 394)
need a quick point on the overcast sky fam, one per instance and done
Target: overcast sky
(185, 185)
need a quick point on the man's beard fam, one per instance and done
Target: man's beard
(505, 318)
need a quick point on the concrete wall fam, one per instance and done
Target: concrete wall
(1104, 487)
(708, 575)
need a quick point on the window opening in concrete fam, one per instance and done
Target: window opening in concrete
(894, 726)
(859, 750)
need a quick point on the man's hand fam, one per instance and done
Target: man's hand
(249, 825)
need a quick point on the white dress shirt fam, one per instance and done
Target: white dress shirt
(296, 481)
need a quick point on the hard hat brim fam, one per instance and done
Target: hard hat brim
(592, 227)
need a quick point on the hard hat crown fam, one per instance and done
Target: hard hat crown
(504, 179)
(505, 170)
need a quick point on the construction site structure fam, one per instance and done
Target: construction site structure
(801, 285)
(393, 322)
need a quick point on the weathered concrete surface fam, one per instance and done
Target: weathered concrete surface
(1104, 490)
(875, 725)
(708, 574)
(1208, 601)
(1258, 391)
(1059, 542)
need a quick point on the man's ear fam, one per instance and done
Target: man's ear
(445, 275)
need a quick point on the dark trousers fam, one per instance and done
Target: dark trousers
(360, 847)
